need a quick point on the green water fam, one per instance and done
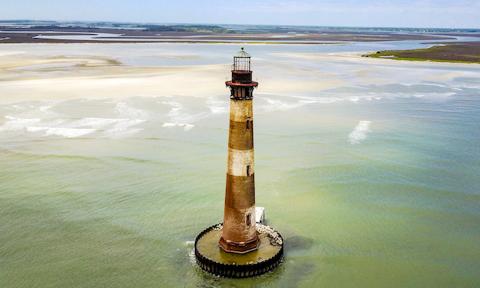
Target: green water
(397, 207)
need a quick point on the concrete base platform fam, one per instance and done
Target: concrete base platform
(211, 258)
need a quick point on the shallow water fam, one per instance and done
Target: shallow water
(372, 181)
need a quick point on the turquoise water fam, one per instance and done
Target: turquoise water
(373, 183)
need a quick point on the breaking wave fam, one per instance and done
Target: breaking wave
(73, 128)
(185, 126)
(360, 132)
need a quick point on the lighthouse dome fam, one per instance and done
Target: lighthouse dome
(242, 53)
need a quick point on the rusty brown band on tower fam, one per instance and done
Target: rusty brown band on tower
(239, 234)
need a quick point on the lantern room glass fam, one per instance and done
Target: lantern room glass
(241, 61)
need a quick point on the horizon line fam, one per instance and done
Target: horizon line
(236, 24)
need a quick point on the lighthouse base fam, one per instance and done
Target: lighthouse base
(239, 248)
(213, 259)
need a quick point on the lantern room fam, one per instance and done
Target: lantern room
(241, 85)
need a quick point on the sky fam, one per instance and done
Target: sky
(366, 13)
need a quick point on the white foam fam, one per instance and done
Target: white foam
(360, 132)
(111, 127)
(178, 119)
(16, 124)
(275, 105)
(169, 125)
(44, 108)
(129, 112)
(217, 107)
(63, 132)
(93, 122)
(11, 53)
(114, 127)
(175, 110)
(186, 126)
(123, 128)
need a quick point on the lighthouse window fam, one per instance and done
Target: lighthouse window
(249, 220)
(248, 170)
(248, 124)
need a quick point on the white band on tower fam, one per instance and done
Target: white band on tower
(240, 162)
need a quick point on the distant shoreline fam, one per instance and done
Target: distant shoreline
(6, 39)
(64, 35)
(458, 52)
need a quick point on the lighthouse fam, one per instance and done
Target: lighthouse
(239, 231)
(239, 247)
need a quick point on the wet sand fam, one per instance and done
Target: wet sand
(63, 77)
(73, 75)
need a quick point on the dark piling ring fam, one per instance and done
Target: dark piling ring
(212, 259)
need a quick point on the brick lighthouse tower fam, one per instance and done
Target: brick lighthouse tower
(239, 247)
(239, 232)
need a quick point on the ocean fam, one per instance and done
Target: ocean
(108, 170)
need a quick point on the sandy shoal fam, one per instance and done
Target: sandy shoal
(29, 78)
